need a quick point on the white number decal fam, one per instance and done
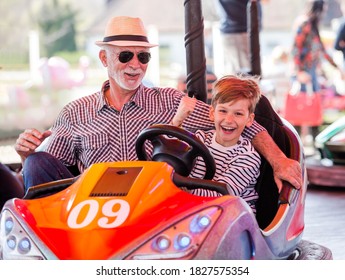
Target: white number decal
(91, 214)
(118, 216)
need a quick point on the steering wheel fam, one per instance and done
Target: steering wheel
(180, 152)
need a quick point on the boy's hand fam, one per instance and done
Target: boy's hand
(185, 108)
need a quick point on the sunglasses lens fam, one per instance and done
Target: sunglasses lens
(144, 57)
(124, 57)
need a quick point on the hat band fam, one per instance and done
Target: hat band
(126, 38)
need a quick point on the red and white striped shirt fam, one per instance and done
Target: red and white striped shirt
(88, 130)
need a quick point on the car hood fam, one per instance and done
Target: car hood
(108, 207)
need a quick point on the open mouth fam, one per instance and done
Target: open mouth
(133, 75)
(227, 129)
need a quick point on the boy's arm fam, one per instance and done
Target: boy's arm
(185, 108)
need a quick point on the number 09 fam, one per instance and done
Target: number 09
(117, 217)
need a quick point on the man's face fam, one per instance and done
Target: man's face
(127, 74)
(230, 119)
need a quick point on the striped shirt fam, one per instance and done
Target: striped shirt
(237, 166)
(88, 130)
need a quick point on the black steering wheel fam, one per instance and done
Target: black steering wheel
(180, 152)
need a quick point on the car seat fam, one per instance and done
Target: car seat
(268, 203)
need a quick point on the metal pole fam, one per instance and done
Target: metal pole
(253, 33)
(195, 50)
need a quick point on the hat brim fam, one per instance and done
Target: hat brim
(126, 44)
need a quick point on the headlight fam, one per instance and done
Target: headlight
(15, 242)
(181, 240)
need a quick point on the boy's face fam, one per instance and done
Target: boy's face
(230, 119)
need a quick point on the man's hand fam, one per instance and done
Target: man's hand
(185, 108)
(28, 141)
(286, 169)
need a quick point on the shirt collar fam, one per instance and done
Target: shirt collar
(101, 101)
(137, 98)
(220, 147)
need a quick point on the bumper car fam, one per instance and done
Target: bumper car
(327, 167)
(139, 210)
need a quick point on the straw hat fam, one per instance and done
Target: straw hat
(125, 32)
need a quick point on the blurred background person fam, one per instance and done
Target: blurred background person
(308, 50)
(234, 36)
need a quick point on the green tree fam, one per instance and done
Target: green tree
(58, 27)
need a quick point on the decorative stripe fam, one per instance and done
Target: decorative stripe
(126, 38)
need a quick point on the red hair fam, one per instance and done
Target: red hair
(233, 87)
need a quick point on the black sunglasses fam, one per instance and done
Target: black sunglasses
(126, 56)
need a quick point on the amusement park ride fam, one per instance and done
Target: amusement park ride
(136, 210)
(327, 167)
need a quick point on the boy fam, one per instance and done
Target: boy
(237, 162)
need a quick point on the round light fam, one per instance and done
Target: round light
(199, 224)
(162, 243)
(24, 245)
(11, 242)
(204, 222)
(9, 225)
(183, 241)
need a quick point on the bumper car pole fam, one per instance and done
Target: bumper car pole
(195, 50)
(254, 40)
